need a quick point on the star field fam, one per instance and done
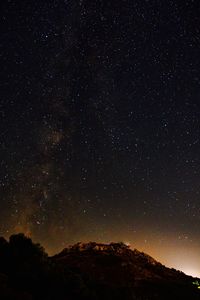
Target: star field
(99, 119)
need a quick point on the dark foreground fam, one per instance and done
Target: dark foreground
(87, 271)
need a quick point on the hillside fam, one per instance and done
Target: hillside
(115, 267)
(87, 271)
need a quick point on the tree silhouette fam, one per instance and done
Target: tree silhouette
(22, 247)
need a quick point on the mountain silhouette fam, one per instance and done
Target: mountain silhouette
(88, 271)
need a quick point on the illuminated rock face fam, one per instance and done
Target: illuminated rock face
(115, 267)
(112, 247)
(119, 257)
(115, 248)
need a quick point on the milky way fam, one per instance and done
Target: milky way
(99, 124)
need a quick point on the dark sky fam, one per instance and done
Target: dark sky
(99, 124)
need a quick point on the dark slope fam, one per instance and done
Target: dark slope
(130, 274)
(87, 272)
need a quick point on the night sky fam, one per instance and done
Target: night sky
(99, 124)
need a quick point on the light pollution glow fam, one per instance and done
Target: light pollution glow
(169, 249)
(170, 252)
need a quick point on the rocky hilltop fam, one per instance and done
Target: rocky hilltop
(87, 271)
(115, 267)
